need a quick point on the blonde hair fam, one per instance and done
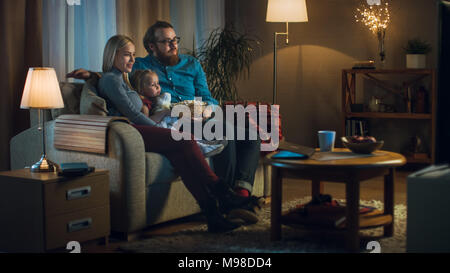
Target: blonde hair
(114, 44)
(137, 79)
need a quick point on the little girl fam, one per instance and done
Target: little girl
(156, 105)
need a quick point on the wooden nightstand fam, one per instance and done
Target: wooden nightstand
(42, 211)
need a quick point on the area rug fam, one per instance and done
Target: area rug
(256, 238)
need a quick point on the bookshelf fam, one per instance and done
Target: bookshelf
(402, 83)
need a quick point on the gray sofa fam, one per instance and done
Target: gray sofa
(144, 189)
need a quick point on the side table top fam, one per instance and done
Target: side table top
(379, 158)
(44, 177)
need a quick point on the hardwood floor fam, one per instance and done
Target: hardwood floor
(292, 189)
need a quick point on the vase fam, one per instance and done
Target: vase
(381, 35)
(416, 61)
(374, 104)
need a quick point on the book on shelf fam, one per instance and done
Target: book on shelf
(355, 126)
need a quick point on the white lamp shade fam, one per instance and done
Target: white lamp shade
(41, 89)
(286, 11)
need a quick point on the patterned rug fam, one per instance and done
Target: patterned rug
(256, 238)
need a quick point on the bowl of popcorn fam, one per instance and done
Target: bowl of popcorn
(362, 144)
(195, 106)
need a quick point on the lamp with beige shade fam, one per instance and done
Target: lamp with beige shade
(42, 91)
(284, 11)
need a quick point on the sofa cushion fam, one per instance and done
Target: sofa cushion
(90, 103)
(71, 93)
(167, 202)
(158, 169)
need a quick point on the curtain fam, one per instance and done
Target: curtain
(75, 33)
(194, 20)
(210, 15)
(182, 13)
(134, 18)
(20, 32)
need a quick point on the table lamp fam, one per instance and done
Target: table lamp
(41, 92)
(284, 11)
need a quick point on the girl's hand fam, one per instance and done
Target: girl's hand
(145, 110)
(157, 117)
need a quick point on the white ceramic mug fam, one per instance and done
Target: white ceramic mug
(326, 140)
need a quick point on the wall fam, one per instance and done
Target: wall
(309, 68)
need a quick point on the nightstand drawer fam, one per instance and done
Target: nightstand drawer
(78, 226)
(76, 194)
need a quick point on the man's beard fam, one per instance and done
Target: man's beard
(167, 60)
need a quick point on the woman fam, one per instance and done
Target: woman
(185, 155)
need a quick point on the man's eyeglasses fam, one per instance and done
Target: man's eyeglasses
(175, 40)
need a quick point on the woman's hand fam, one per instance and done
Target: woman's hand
(81, 74)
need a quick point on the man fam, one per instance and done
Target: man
(183, 77)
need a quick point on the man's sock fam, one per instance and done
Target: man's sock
(242, 192)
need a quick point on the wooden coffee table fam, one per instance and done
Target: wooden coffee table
(350, 171)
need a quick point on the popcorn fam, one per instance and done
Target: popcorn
(195, 106)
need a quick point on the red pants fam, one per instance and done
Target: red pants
(185, 156)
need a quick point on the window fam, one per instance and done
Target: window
(75, 33)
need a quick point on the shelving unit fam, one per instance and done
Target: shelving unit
(349, 78)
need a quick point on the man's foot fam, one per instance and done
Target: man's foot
(219, 224)
(249, 212)
(215, 220)
(242, 192)
(228, 199)
(247, 217)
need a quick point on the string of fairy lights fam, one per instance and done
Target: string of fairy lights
(375, 17)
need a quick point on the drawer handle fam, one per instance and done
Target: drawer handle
(78, 193)
(79, 224)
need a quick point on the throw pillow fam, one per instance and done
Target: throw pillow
(90, 102)
(71, 93)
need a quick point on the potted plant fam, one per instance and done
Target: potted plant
(416, 51)
(225, 56)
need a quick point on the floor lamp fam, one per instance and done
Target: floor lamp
(284, 11)
(41, 92)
